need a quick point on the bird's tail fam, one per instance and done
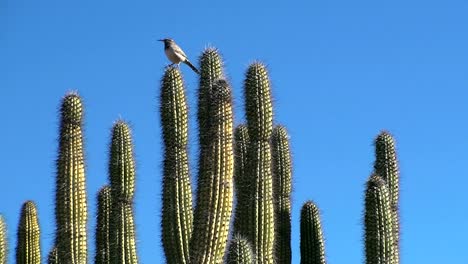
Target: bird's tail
(191, 66)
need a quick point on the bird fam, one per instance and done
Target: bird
(175, 54)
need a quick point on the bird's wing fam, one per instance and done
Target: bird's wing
(180, 52)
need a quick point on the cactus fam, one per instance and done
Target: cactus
(52, 258)
(122, 179)
(386, 165)
(239, 252)
(312, 244)
(123, 249)
(282, 171)
(71, 209)
(3, 241)
(241, 181)
(122, 163)
(261, 230)
(378, 220)
(28, 249)
(215, 185)
(177, 215)
(211, 69)
(103, 226)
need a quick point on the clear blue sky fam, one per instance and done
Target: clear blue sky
(341, 72)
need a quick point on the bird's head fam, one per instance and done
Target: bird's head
(166, 40)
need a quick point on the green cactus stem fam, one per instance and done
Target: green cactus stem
(28, 249)
(123, 244)
(239, 252)
(211, 69)
(52, 258)
(122, 179)
(177, 215)
(386, 165)
(3, 241)
(378, 221)
(282, 173)
(261, 228)
(215, 185)
(122, 162)
(103, 226)
(241, 179)
(71, 211)
(312, 244)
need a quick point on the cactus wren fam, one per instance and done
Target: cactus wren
(175, 54)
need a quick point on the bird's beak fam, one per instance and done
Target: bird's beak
(160, 39)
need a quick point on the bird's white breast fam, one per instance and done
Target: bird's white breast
(172, 56)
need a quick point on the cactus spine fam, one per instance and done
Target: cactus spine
(71, 209)
(103, 226)
(177, 215)
(261, 229)
(28, 249)
(241, 179)
(3, 241)
(282, 173)
(122, 178)
(378, 220)
(312, 244)
(215, 184)
(386, 165)
(52, 258)
(239, 252)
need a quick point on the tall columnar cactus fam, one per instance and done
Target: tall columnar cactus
(3, 241)
(386, 165)
(241, 179)
(28, 249)
(177, 215)
(52, 258)
(312, 244)
(103, 226)
(122, 178)
(215, 184)
(378, 221)
(239, 252)
(261, 229)
(282, 173)
(71, 211)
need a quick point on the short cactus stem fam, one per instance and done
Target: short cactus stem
(378, 222)
(104, 205)
(312, 244)
(28, 249)
(239, 251)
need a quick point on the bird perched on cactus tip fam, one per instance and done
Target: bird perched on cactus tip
(175, 54)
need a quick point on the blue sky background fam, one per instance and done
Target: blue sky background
(341, 72)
